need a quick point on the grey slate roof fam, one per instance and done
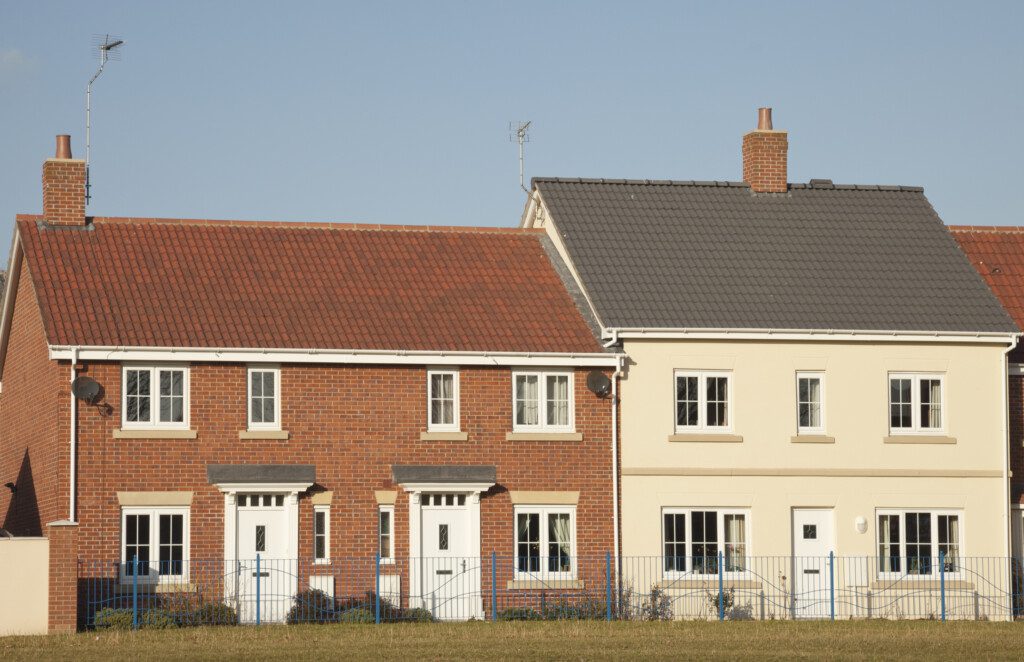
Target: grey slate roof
(716, 255)
(260, 473)
(404, 474)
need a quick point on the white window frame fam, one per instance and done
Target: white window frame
(934, 513)
(915, 403)
(720, 514)
(154, 422)
(326, 558)
(276, 371)
(390, 510)
(820, 376)
(702, 401)
(542, 404)
(455, 426)
(154, 512)
(543, 512)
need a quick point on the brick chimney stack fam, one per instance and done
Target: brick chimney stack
(64, 186)
(764, 156)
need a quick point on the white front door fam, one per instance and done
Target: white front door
(812, 542)
(263, 534)
(449, 572)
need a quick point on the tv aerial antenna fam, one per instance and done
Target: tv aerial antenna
(107, 48)
(518, 132)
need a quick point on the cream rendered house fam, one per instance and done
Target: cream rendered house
(812, 369)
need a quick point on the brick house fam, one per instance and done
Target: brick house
(314, 394)
(997, 253)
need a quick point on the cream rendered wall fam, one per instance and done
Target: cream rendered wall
(24, 576)
(854, 476)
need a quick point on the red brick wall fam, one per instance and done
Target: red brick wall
(765, 161)
(353, 423)
(63, 586)
(33, 455)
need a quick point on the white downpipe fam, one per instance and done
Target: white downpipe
(1007, 524)
(615, 467)
(74, 442)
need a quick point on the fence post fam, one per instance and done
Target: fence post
(135, 591)
(494, 586)
(942, 582)
(832, 585)
(608, 585)
(259, 580)
(721, 589)
(376, 592)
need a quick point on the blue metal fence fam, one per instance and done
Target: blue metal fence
(140, 593)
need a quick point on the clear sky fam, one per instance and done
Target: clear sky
(397, 112)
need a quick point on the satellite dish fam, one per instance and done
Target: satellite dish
(598, 383)
(86, 389)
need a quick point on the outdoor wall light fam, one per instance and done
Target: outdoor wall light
(12, 487)
(860, 524)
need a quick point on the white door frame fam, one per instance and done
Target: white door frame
(831, 544)
(415, 490)
(291, 505)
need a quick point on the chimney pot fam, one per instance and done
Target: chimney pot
(63, 146)
(764, 119)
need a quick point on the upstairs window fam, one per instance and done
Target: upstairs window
(154, 397)
(703, 401)
(264, 399)
(916, 403)
(810, 402)
(542, 401)
(443, 400)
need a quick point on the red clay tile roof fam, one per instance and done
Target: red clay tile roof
(997, 252)
(197, 283)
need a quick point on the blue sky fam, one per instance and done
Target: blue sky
(397, 112)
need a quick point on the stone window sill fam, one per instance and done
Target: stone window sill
(706, 438)
(151, 587)
(710, 582)
(544, 585)
(263, 434)
(812, 439)
(543, 436)
(121, 433)
(903, 583)
(444, 436)
(918, 439)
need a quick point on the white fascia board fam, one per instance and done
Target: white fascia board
(446, 487)
(363, 357)
(804, 335)
(232, 488)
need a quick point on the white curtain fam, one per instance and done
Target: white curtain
(558, 400)
(442, 405)
(561, 540)
(527, 399)
(735, 541)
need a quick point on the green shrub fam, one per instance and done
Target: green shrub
(214, 613)
(417, 615)
(519, 614)
(157, 619)
(313, 606)
(113, 619)
(582, 609)
(357, 615)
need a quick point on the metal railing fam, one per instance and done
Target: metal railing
(153, 594)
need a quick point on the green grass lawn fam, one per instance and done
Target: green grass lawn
(560, 640)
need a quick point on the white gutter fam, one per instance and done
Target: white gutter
(74, 442)
(358, 356)
(803, 335)
(615, 467)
